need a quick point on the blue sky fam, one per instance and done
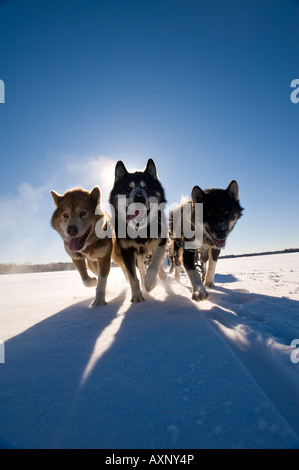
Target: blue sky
(202, 87)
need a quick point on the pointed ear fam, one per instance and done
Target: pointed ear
(56, 197)
(233, 190)
(151, 168)
(197, 195)
(120, 171)
(95, 194)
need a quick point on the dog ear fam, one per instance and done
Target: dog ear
(233, 190)
(151, 168)
(120, 170)
(56, 197)
(197, 195)
(95, 194)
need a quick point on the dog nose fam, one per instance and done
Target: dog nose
(139, 198)
(72, 230)
(221, 235)
(220, 230)
(139, 195)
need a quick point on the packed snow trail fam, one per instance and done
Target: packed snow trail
(167, 373)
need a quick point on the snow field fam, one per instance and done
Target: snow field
(166, 373)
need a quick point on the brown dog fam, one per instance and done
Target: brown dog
(77, 214)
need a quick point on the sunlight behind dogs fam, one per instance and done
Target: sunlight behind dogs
(106, 339)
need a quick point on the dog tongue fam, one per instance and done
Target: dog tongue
(220, 243)
(74, 243)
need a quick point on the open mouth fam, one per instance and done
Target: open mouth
(220, 243)
(76, 244)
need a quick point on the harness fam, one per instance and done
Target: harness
(197, 259)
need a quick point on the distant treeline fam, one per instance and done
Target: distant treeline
(7, 268)
(10, 268)
(278, 252)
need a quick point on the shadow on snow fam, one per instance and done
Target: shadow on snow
(158, 379)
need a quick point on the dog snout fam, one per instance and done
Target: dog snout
(72, 230)
(139, 195)
(221, 230)
(139, 198)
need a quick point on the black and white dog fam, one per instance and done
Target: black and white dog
(221, 210)
(138, 201)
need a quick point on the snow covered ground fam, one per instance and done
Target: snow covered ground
(166, 373)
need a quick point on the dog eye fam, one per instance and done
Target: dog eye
(83, 213)
(65, 215)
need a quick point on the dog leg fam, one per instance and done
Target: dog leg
(171, 262)
(204, 256)
(199, 291)
(103, 270)
(93, 266)
(80, 265)
(130, 264)
(152, 271)
(177, 252)
(162, 273)
(140, 266)
(213, 256)
(118, 259)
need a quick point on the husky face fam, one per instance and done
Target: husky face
(221, 210)
(133, 193)
(74, 218)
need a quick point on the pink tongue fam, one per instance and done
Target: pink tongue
(74, 243)
(220, 243)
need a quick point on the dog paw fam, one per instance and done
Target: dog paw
(137, 298)
(209, 284)
(100, 302)
(200, 294)
(90, 282)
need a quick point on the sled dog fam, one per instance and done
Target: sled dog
(77, 213)
(221, 210)
(138, 203)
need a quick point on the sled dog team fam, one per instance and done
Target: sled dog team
(137, 234)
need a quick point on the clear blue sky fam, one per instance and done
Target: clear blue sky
(203, 87)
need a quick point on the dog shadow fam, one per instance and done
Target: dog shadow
(102, 377)
(43, 367)
(123, 375)
(225, 278)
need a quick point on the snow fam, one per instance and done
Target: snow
(165, 373)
